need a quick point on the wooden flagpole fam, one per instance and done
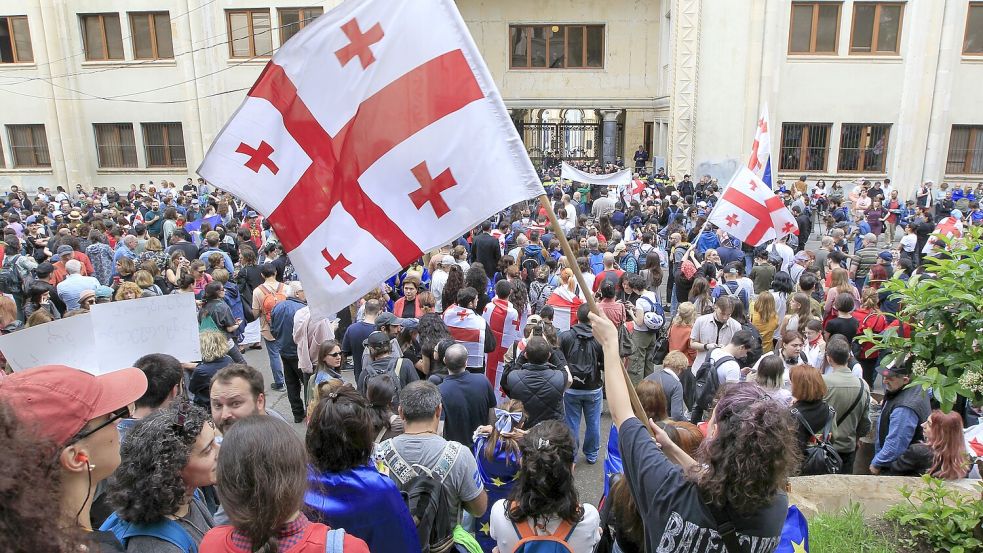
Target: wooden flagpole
(636, 405)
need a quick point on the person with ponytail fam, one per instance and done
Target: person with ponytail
(345, 489)
(263, 494)
(544, 500)
(738, 475)
(498, 456)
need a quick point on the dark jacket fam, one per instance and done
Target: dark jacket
(540, 389)
(282, 325)
(487, 251)
(583, 354)
(913, 398)
(200, 383)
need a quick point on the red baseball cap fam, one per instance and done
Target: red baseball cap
(59, 401)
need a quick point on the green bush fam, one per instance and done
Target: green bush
(942, 519)
(846, 531)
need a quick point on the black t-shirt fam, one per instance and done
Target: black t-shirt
(467, 397)
(844, 327)
(352, 343)
(676, 518)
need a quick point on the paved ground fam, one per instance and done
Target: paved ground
(589, 477)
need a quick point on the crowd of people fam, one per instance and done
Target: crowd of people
(448, 408)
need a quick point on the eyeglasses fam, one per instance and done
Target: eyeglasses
(336, 354)
(116, 415)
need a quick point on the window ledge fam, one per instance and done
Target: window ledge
(842, 59)
(538, 70)
(26, 171)
(248, 61)
(19, 66)
(975, 177)
(972, 58)
(843, 175)
(129, 63)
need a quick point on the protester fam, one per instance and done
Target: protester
(214, 356)
(238, 392)
(77, 439)
(266, 296)
(498, 456)
(173, 452)
(282, 330)
(849, 397)
(344, 486)
(899, 424)
(585, 361)
(537, 383)
(674, 365)
(544, 500)
(467, 398)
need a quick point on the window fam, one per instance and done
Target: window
(965, 150)
(102, 36)
(115, 145)
(151, 32)
(556, 46)
(973, 43)
(250, 35)
(15, 40)
(29, 145)
(876, 28)
(164, 144)
(805, 146)
(863, 147)
(814, 28)
(292, 20)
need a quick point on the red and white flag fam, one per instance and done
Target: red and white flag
(749, 211)
(374, 134)
(468, 329)
(565, 304)
(504, 322)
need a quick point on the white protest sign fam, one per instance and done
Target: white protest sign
(63, 342)
(128, 330)
(621, 178)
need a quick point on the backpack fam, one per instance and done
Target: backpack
(862, 351)
(653, 318)
(165, 530)
(393, 369)
(270, 300)
(706, 386)
(531, 542)
(528, 269)
(583, 351)
(596, 261)
(820, 457)
(642, 255)
(425, 496)
(206, 323)
(11, 281)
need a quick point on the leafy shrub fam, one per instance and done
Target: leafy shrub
(942, 519)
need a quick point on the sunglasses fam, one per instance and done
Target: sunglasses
(116, 415)
(336, 354)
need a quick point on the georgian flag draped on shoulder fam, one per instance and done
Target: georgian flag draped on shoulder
(373, 135)
(504, 322)
(468, 329)
(564, 304)
(749, 211)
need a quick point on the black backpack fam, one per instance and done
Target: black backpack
(394, 369)
(820, 457)
(528, 269)
(706, 386)
(425, 496)
(585, 356)
(11, 281)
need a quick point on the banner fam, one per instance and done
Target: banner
(621, 178)
(111, 337)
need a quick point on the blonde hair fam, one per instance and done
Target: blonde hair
(127, 287)
(686, 314)
(143, 279)
(321, 391)
(841, 281)
(676, 359)
(214, 345)
(153, 245)
(764, 307)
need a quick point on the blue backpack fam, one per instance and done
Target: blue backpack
(596, 261)
(166, 530)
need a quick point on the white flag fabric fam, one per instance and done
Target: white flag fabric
(761, 147)
(565, 304)
(504, 322)
(621, 178)
(374, 134)
(749, 211)
(468, 328)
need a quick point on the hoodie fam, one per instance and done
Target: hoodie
(533, 251)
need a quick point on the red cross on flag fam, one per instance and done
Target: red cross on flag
(504, 322)
(749, 211)
(374, 134)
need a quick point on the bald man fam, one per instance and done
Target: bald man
(468, 398)
(609, 272)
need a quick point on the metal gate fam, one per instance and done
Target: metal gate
(565, 141)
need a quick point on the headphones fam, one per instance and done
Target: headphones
(83, 458)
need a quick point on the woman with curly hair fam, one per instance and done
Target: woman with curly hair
(345, 490)
(166, 457)
(263, 494)
(455, 281)
(128, 291)
(543, 501)
(476, 278)
(739, 471)
(431, 330)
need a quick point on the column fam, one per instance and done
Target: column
(609, 134)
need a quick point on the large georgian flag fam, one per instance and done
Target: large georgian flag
(468, 329)
(749, 211)
(374, 134)
(760, 161)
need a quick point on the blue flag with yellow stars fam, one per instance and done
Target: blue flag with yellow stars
(498, 475)
(795, 533)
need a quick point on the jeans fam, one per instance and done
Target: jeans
(273, 349)
(588, 401)
(236, 355)
(296, 382)
(848, 459)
